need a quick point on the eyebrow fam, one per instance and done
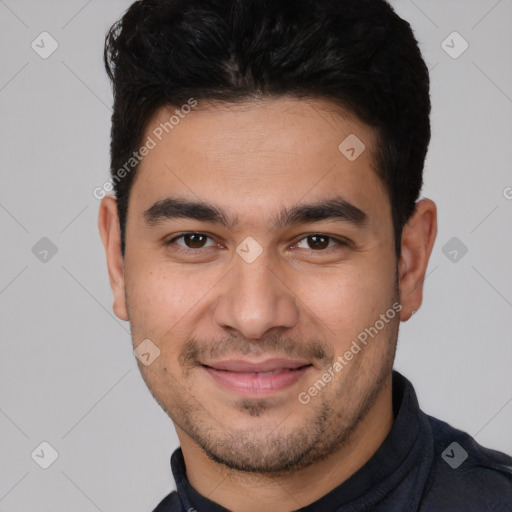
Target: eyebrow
(335, 209)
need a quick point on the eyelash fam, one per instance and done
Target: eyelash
(338, 241)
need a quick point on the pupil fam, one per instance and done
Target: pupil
(318, 242)
(195, 241)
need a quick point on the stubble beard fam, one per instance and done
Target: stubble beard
(288, 447)
(285, 449)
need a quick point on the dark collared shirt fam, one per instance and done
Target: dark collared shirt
(424, 465)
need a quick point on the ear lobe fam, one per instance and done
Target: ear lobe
(418, 237)
(108, 223)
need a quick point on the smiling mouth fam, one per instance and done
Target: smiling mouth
(253, 380)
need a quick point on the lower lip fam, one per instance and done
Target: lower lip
(250, 384)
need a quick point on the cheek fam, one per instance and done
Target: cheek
(162, 300)
(347, 300)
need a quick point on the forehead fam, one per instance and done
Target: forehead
(267, 154)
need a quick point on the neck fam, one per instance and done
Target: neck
(248, 492)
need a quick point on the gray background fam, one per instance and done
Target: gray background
(67, 373)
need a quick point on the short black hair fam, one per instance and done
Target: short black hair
(358, 54)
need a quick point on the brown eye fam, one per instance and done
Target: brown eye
(316, 242)
(193, 241)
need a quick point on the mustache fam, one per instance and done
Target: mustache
(195, 350)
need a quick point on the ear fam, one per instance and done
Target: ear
(418, 238)
(108, 223)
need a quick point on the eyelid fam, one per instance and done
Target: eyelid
(339, 241)
(343, 242)
(185, 233)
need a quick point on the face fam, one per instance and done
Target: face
(258, 256)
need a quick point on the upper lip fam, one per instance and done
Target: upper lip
(244, 366)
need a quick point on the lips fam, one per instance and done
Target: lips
(248, 378)
(269, 365)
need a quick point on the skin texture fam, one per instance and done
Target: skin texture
(296, 300)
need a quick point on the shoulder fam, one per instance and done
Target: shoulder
(466, 476)
(171, 503)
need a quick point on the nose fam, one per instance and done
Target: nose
(255, 301)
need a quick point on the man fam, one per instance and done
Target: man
(265, 242)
